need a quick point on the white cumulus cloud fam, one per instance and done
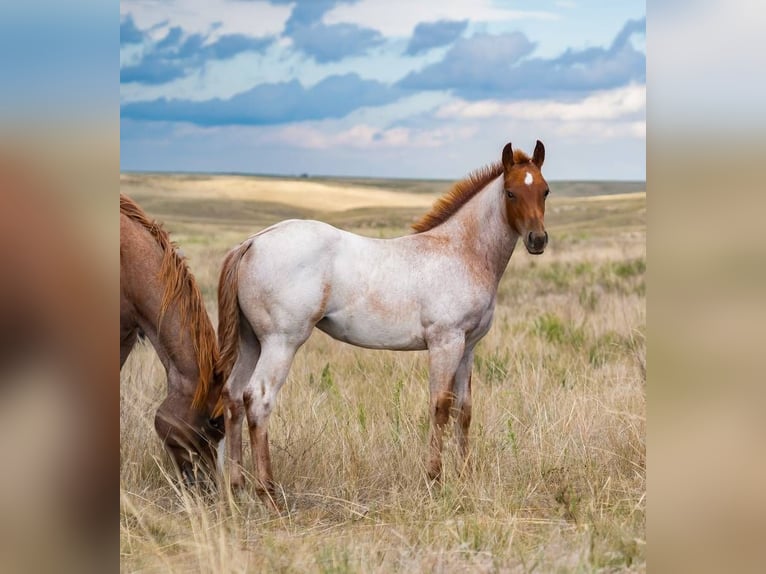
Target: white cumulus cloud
(201, 16)
(604, 105)
(399, 17)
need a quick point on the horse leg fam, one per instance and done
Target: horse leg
(234, 408)
(260, 395)
(444, 357)
(462, 392)
(233, 414)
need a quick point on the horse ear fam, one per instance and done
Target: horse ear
(508, 156)
(538, 157)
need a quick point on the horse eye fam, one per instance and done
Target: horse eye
(547, 191)
(216, 423)
(510, 194)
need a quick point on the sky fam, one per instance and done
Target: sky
(382, 88)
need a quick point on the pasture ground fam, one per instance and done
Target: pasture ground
(559, 415)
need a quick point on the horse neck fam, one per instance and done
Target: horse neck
(174, 345)
(171, 338)
(480, 230)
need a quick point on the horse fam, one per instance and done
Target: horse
(433, 290)
(160, 299)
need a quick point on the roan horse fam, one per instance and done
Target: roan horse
(434, 290)
(159, 298)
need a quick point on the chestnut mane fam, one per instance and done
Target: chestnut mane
(462, 191)
(181, 290)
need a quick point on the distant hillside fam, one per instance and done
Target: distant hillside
(562, 188)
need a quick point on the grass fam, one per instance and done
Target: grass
(558, 431)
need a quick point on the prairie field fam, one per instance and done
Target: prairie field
(558, 476)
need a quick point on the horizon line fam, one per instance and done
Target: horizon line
(307, 175)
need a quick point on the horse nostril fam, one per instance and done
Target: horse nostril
(546, 237)
(529, 239)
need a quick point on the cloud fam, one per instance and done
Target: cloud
(631, 28)
(335, 42)
(429, 35)
(129, 33)
(598, 130)
(608, 114)
(478, 63)
(176, 56)
(484, 66)
(152, 71)
(255, 18)
(326, 43)
(363, 136)
(400, 17)
(605, 105)
(268, 104)
(441, 149)
(307, 12)
(232, 44)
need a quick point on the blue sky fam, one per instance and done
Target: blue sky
(397, 88)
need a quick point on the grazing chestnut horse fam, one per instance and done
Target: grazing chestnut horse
(159, 298)
(434, 290)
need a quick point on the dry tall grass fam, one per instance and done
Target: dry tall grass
(558, 431)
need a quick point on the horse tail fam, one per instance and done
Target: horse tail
(229, 315)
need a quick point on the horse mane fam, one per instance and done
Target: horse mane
(180, 289)
(462, 191)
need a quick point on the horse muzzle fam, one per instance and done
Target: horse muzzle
(536, 241)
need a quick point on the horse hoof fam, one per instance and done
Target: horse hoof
(270, 500)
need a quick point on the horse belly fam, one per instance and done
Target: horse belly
(373, 331)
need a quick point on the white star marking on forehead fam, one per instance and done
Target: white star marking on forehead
(529, 179)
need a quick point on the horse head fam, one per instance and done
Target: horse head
(525, 193)
(191, 440)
